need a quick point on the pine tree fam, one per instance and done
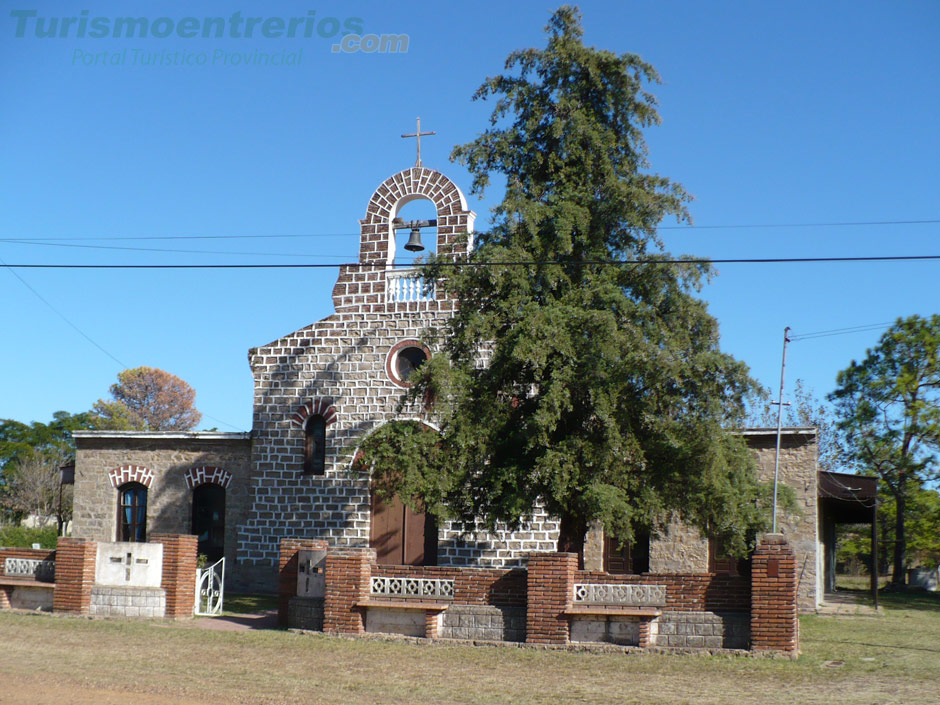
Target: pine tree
(596, 391)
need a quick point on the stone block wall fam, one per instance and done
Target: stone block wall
(112, 601)
(709, 630)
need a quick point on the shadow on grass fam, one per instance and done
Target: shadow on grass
(910, 599)
(235, 603)
(850, 642)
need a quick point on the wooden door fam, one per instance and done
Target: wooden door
(401, 536)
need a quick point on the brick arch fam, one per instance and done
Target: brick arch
(207, 474)
(314, 407)
(453, 217)
(130, 473)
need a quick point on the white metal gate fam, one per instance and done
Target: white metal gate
(210, 586)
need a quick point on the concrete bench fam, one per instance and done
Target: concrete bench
(432, 612)
(30, 593)
(644, 615)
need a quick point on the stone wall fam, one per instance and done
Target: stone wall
(166, 459)
(113, 601)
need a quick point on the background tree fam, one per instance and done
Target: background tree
(804, 409)
(889, 414)
(32, 488)
(605, 396)
(24, 450)
(148, 399)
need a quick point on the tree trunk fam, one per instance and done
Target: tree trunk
(571, 536)
(898, 577)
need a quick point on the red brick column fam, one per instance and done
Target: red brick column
(348, 576)
(287, 572)
(74, 575)
(774, 582)
(179, 573)
(550, 587)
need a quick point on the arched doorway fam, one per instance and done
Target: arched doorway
(208, 522)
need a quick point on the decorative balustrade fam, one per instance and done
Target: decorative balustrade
(404, 285)
(29, 568)
(441, 589)
(627, 595)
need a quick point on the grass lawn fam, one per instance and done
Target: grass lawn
(890, 658)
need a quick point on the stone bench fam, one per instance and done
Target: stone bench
(425, 620)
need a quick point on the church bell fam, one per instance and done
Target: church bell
(414, 241)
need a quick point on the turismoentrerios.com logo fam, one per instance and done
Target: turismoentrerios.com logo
(348, 33)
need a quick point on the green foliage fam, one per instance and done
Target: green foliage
(148, 399)
(604, 396)
(409, 455)
(921, 527)
(20, 440)
(889, 414)
(22, 537)
(29, 458)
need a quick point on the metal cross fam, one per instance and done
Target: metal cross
(419, 134)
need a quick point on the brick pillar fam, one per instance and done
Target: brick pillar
(348, 577)
(774, 582)
(74, 575)
(287, 572)
(550, 588)
(179, 573)
(5, 593)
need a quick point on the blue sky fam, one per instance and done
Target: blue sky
(773, 113)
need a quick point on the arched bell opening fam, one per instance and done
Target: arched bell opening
(414, 229)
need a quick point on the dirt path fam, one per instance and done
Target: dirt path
(39, 691)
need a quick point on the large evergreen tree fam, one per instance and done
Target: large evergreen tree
(604, 395)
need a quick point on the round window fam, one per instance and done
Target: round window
(404, 359)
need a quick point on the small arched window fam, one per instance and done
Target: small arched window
(315, 445)
(132, 512)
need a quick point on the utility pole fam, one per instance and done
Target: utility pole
(779, 402)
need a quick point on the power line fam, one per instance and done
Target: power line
(532, 263)
(840, 224)
(61, 315)
(32, 243)
(798, 225)
(841, 331)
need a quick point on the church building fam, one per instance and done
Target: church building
(318, 392)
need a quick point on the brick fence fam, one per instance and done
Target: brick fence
(75, 569)
(710, 610)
